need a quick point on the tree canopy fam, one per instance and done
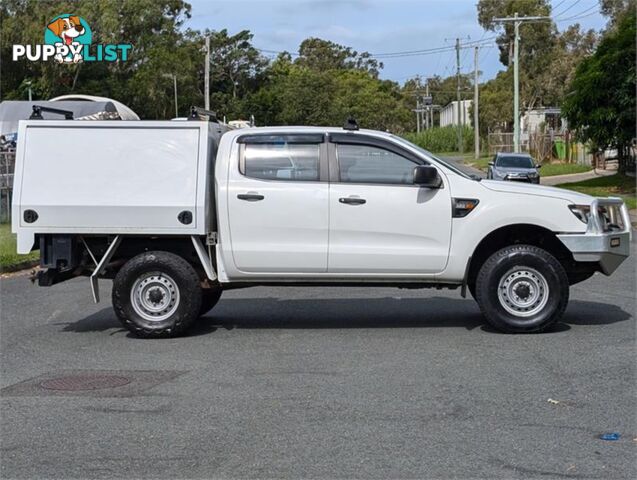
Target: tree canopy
(601, 99)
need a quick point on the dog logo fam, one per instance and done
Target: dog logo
(68, 40)
(70, 31)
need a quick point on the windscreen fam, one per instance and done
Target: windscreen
(515, 162)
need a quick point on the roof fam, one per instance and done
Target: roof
(12, 111)
(305, 129)
(513, 154)
(125, 113)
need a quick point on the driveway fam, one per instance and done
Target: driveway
(318, 383)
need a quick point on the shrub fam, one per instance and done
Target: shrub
(442, 139)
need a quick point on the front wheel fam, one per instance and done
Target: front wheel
(522, 288)
(157, 294)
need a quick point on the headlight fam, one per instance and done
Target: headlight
(532, 174)
(581, 211)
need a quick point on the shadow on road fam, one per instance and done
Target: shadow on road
(387, 312)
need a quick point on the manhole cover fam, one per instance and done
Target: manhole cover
(84, 382)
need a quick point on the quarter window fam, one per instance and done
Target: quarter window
(368, 164)
(282, 161)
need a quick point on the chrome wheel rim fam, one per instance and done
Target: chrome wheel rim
(155, 296)
(523, 291)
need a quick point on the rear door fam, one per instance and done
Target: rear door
(380, 222)
(278, 204)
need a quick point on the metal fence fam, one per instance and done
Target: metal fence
(541, 146)
(7, 166)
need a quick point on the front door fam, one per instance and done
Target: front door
(278, 204)
(380, 222)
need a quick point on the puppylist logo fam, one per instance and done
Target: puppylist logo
(68, 39)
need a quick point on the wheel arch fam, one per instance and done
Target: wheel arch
(529, 234)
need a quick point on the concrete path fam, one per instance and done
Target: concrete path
(575, 177)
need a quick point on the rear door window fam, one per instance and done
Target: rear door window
(284, 161)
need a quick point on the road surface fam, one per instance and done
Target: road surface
(318, 383)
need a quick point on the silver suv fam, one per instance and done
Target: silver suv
(518, 167)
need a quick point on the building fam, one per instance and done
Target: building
(449, 113)
(549, 118)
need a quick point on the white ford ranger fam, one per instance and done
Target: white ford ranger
(177, 212)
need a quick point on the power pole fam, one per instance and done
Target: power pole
(516, 71)
(476, 127)
(426, 112)
(458, 93)
(417, 115)
(206, 86)
(175, 84)
(516, 85)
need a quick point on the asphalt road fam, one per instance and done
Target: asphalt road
(320, 383)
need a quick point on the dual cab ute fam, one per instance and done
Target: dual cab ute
(177, 212)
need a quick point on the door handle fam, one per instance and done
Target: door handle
(250, 197)
(352, 200)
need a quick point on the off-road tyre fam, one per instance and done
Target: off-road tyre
(158, 267)
(535, 270)
(209, 298)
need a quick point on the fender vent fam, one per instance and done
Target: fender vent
(30, 216)
(185, 217)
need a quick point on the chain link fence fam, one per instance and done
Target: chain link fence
(7, 166)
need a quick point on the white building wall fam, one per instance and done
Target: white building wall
(449, 114)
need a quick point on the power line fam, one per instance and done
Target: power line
(567, 8)
(577, 18)
(558, 5)
(594, 7)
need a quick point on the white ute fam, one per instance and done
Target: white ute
(177, 212)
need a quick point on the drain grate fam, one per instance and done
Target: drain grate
(80, 382)
(91, 383)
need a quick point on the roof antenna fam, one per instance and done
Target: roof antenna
(350, 124)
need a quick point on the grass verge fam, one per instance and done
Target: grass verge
(608, 186)
(548, 169)
(10, 261)
(552, 169)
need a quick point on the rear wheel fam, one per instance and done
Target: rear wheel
(157, 294)
(522, 288)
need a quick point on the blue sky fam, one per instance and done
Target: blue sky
(376, 26)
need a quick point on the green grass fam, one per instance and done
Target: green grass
(548, 169)
(9, 259)
(608, 186)
(552, 169)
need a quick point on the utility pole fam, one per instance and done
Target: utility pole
(417, 115)
(516, 71)
(176, 107)
(207, 75)
(476, 126)
(426, 112)
(174, 77)
(458, 93)
(516, 84)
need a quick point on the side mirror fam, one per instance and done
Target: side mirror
(427, 176)
(492, 164)
(538, 165)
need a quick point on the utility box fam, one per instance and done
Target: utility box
(139, 177)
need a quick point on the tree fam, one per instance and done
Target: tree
(496, 104)
(153, 27)
(601, 99)
(323, 55)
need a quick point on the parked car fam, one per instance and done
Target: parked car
(518, 167)
(177, 212)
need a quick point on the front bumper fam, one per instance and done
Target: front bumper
(608, 248)
(521, 178)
